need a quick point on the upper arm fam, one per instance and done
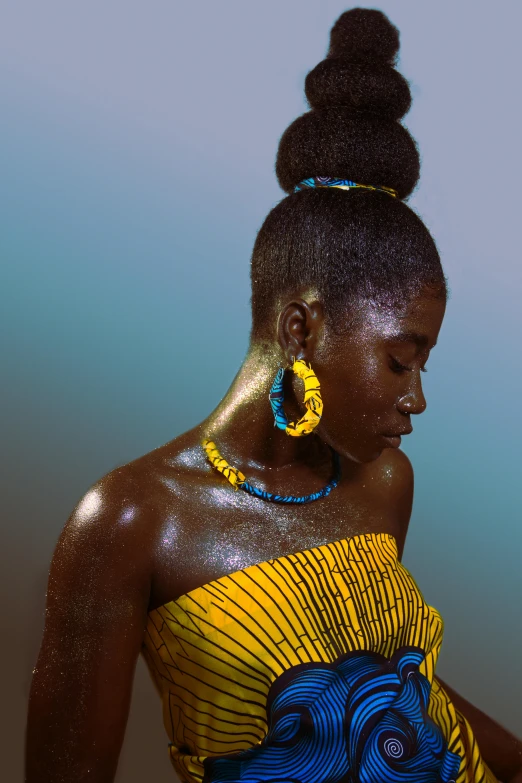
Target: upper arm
(498, 747)
(96, 608)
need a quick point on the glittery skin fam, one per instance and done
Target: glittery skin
(364, 397)
(167, 522)
(239, 481)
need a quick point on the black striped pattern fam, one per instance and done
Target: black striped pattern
(216, 652)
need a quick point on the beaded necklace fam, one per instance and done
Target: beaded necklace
(239, 480)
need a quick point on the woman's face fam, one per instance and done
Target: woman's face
(371, 377)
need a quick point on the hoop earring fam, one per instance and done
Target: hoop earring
(312, 400)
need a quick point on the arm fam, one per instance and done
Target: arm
(96, 610)
(500, 749)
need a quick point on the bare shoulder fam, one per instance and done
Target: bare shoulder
(114, 506)
(394, 472)
(393, 479)
(104, 549)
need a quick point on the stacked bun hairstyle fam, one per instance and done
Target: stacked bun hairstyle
(354, 245)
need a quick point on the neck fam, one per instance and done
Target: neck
(242, 425)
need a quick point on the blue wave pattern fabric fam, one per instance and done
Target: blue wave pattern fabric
(362, 719)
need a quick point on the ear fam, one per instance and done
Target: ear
(299, 326)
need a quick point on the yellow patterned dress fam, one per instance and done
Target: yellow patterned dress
(316, 667)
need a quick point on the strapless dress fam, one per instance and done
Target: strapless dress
(315, 667)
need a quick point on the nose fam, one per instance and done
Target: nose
(414, 400)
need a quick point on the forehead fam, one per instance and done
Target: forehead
(418, 324)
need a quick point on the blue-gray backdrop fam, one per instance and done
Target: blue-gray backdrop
(137, 157)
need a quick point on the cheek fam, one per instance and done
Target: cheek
(352, 399)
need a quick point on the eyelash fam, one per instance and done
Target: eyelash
(400, 367)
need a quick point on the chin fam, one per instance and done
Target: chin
(360, 455)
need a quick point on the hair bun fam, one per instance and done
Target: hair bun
(356, 245)
(365, 87)
(356, 99)
(364, 35)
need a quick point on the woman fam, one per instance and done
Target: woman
(286, 639)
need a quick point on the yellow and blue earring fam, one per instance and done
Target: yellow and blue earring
(312, 400)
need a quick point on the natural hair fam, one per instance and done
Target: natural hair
(358, 244)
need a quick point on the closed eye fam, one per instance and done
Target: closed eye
(398, 367)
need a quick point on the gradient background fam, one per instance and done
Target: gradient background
(137, 152)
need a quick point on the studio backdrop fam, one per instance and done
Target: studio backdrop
(137, 164)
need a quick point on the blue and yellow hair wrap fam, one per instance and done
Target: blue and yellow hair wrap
(343, 184)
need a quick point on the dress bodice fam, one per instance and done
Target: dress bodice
(314, 667)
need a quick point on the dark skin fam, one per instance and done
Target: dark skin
(167, 523)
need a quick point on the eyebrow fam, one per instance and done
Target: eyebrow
(411, 337)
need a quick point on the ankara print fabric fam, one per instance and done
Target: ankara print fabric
(315, 667)
(344, 184)
(361, 720)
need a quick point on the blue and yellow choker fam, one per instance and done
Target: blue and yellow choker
(239, 480)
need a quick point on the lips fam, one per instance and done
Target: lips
(398, 434)
(394, 441)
